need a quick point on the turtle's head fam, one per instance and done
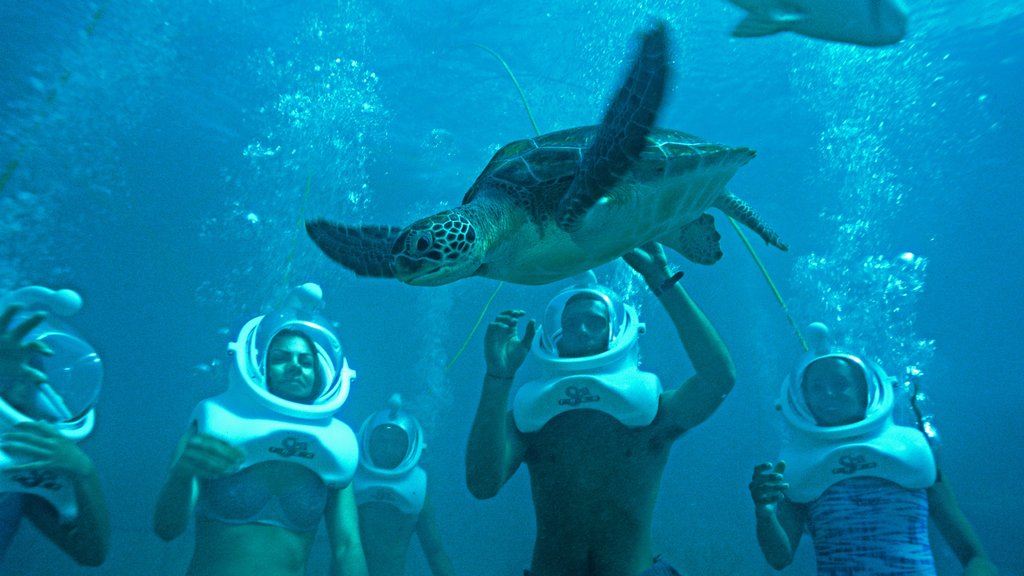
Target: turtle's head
(437, 250)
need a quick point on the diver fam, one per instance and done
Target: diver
(862, 485)
(393, 494)
(595, 431)
(264, 462)
(49, 383)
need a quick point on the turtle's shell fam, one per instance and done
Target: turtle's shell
(544, 166)
(677, 177)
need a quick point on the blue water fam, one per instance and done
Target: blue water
(161, 155)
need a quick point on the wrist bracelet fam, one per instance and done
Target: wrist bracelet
(496, 377)
(670, 282)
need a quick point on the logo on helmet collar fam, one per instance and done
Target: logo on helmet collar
(47, 479)
(384, 495)
(853, 464)
(576, 395)
(291, 446)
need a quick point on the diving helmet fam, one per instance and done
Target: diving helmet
(74, 372)
(399, 425)
(299, 314)
(624, 330)
(880, 392)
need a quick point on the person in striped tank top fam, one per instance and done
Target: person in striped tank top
(862, 486)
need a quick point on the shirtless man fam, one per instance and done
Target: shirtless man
(595, 432)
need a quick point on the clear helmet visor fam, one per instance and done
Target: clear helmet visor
(604, 318)
(74, 376)
(314, 329)
(326, 351)
(388, 446)
(390, 441)
(879, 395)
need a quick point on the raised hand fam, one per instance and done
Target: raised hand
(650, 262)
(767, 487)
(206, 457)
(504, 351)
(15, 354)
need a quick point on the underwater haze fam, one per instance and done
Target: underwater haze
(160, 157)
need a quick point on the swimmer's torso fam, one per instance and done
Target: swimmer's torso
(259, 545)
(594, 484)
(386, 533)
(249, 550)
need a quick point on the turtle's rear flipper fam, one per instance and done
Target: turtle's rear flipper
(743, 213)
(623, 132)
(365, 250)
(697, 241)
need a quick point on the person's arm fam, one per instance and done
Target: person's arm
(702, 394)
(495, 448)
(199, 456)
(430, 541)
(342, 519)
(86, 539)
(957, 530)
(780, 523)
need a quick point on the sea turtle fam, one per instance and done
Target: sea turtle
(550, 207)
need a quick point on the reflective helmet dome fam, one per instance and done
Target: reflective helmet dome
(624, 327)
(74, 372)
(391, 441)
(298, 315)
(880, 391)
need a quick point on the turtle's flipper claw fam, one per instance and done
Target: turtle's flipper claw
(623, 132)
(365, 250)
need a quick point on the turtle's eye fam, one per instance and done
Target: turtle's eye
(419, 241)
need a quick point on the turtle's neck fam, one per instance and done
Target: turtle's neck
(492, 221)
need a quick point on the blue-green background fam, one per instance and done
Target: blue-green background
(162, 154)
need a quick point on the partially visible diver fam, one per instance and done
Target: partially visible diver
(263, 463)
(862, 485)
(393, 494)
(49, 382)
(595, 431)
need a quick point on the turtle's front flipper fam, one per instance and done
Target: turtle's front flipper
(623, 132)
(365, 250)
(742, 212)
